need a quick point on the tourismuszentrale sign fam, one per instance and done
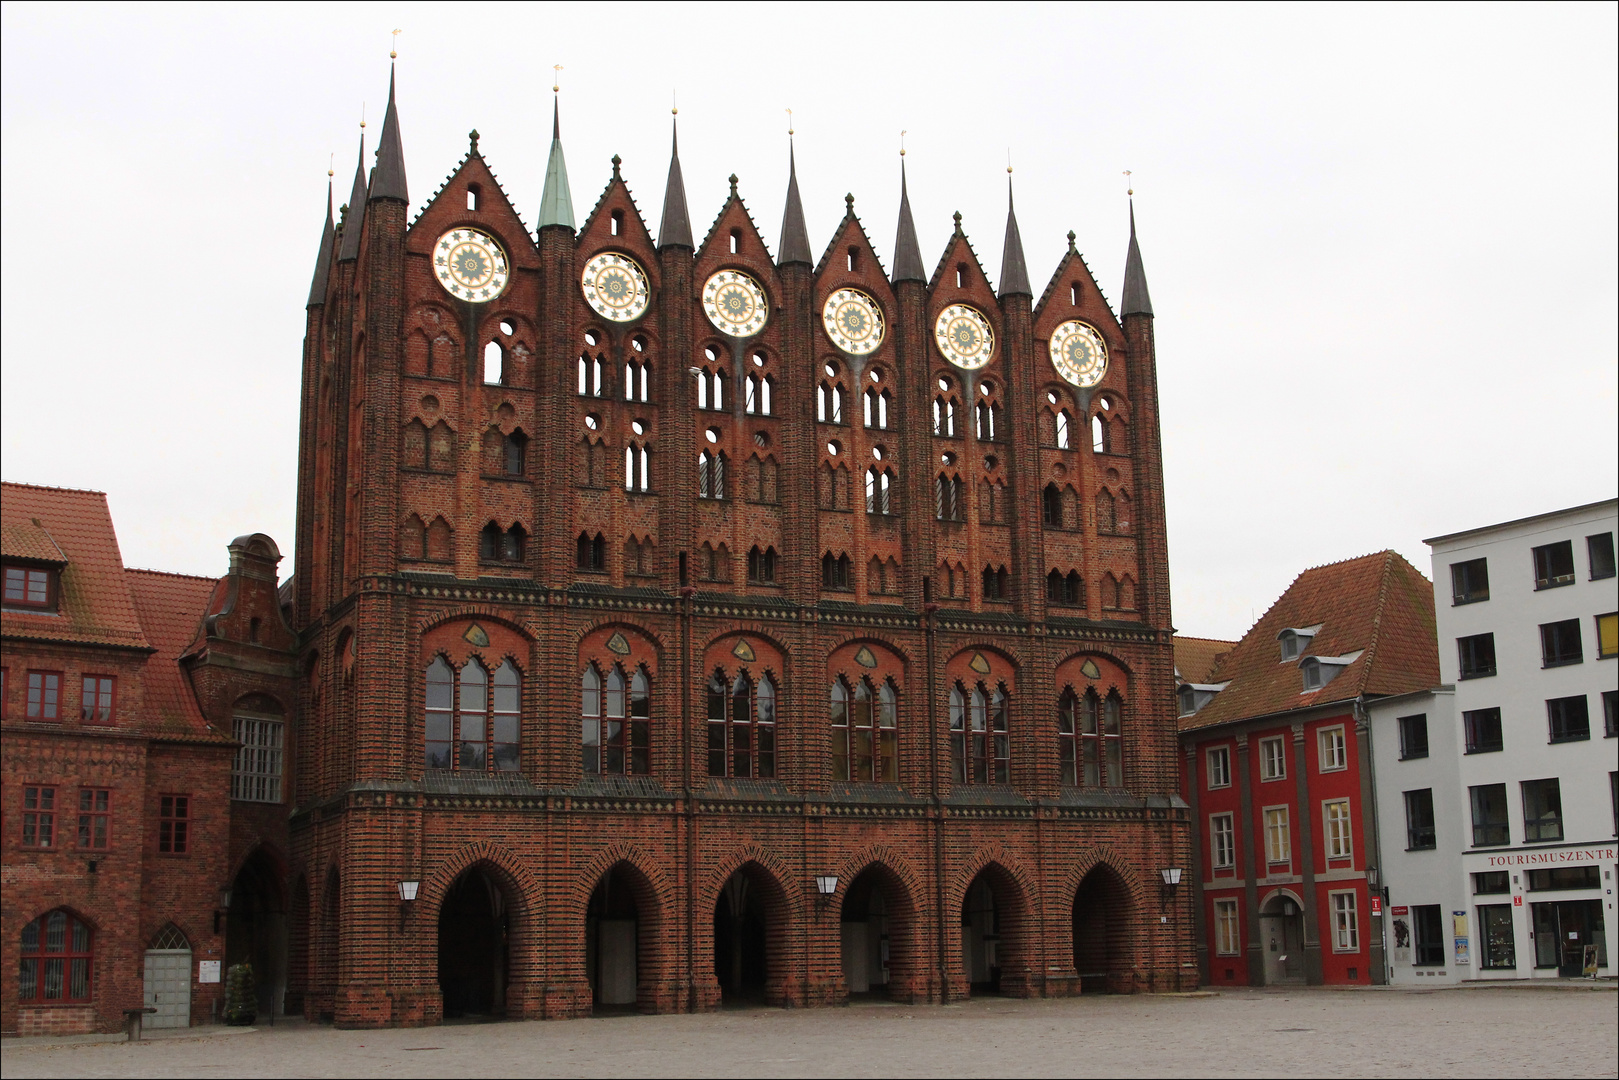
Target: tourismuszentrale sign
(1555, 858)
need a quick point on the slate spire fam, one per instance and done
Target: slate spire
(1135, 301)
(388, 179)
(1014, 272)
(794, 236)
(675, 229)
(323, 261)
(556, 204)
(355, 218)
(907, 252)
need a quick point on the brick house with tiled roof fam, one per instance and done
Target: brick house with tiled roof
(1275, 744)
(118, 697)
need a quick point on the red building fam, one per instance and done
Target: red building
(119, 690)
(1278, 779)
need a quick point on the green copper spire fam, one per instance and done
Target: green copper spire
(556, 205)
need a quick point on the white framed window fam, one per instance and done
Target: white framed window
(1219, 767)
(1227, 935)
(1335, 819)
(256, 774)
(1345, 923)
(1273, 758)
(1330, 750)
(1278, 835)
(1222, 842)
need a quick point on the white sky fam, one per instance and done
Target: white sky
(1380, 239)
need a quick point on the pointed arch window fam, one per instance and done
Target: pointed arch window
(878, 404)
(879, 491)
(1051, 506)
(760, 389)
(57, 960)
(864, 732)
(711, 475)
(473, 721)
(592, 375)
(987, 415)
(1063, 424)
(637, 468)
(741, 726)
(1068, 737)
(944, 416)
(1098, 435)
(947, 498)
(835, 573)
(592, 553)
(829, 403)
(637, 380)
(615, 721)
(980, 743)
(762, 565)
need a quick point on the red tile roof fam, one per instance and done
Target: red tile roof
(1197, 657)
(171, 607)
(1379, 605)
(26, 538)
(95, 606)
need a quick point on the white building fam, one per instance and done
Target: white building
(1497, 793)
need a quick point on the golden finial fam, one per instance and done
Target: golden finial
(1129, 185)
(902, 143)
(674, 103)
(1008, 161)
(556, 78)
(789, 121)
(362, 116)
(393, 53)
(330, 162)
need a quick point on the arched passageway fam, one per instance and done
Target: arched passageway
(473, 957)
(1103, 945)
(743, 953)
(256, 928)
(612, 941)
(1281, 936)
(981, 916)
(875, 925)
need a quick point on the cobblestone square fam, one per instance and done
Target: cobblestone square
(1515, 1031)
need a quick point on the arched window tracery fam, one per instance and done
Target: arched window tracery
(741, 726)
(473, 719)
(980, 742)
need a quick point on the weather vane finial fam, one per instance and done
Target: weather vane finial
(393, 52)
(1008, 161)
(789, 121)
(1129, 185)
(674, 103)
(362, 116)
(556, 78)
(330, 161)
(902, 142)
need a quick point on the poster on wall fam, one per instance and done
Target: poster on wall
(207, 971)
(1402, 934)
(1459, 932)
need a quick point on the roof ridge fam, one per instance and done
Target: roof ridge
(1377, 620)
(51, 487)
(168, 573)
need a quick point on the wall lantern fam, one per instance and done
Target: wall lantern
(825, 886)
(1172, 876)
(407, 895)
(1371, 876)
(223, 906)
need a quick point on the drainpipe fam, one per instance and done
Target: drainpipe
(686, 593)
(929, 630)
(1374, 843)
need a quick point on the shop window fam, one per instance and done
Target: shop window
(1227, 935)
(1272, 758)
(1222, 842)
(1413, 737)
(57, 959)
(1542, 810)
(1496, 934)
(1482, 730)
(1470, 581)
(1554, 565)
(174, 824)
(38, 816)
(95, 818)
(1419, 821)
(1219, 767)
(1428, 928)
(1489, 803)
(1568, 719)
(1492, 882)
(980, 742)
(1599, 549)
(1565, 878)
(1476, 656)
(96, 699)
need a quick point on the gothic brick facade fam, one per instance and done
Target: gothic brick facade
(610, 591)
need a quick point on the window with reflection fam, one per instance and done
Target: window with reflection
(865, 731)
(980, 745)
(473, 717)
(615, 721)
(741, 726)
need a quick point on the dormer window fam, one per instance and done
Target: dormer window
(31, 588)
(1318, 671)
(1295, 639)
(1193, 696)
(1314, 677)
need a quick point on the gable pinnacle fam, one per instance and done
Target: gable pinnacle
(675, 228)
(388, 179)
(323, 260)
(733, 185)
(355, 217)
(1071, 241)
(956, 217)
(1014, 272)
(617, 161)
(556, 202)
(1135, 300)
(472, 143)
(794, 235)
(907, 252)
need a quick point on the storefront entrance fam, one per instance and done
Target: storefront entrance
(1563, 930)
(1281, 933)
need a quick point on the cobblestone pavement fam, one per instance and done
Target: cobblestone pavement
(1410, 1033)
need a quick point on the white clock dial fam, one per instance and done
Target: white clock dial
(964, 336)
(853, 321)
(1079, 354)
(471, 265)
(735, 304)
(615, 287)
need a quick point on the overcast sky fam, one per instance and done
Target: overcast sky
(1380, 240)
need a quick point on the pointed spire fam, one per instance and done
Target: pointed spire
(675, 229)
(794, 236)
(388, 180)
(1136, 301)
(556, 204)
(323, 261)
(907, 252)
(355, 218)
(1014, 273)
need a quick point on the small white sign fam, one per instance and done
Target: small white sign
(207, 971)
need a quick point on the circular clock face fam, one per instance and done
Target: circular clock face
(735, 304)
(963, 336)
(471, 265)
(853, 321)
(1079, 354)
(615, 287)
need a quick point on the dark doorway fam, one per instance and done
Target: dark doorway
(1281, 935)
(612, 931)
(864, 930)
(1563, 930)
(1101, 932)
(256, 929)
(981, 936)
(740, 960)
(472, 961)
